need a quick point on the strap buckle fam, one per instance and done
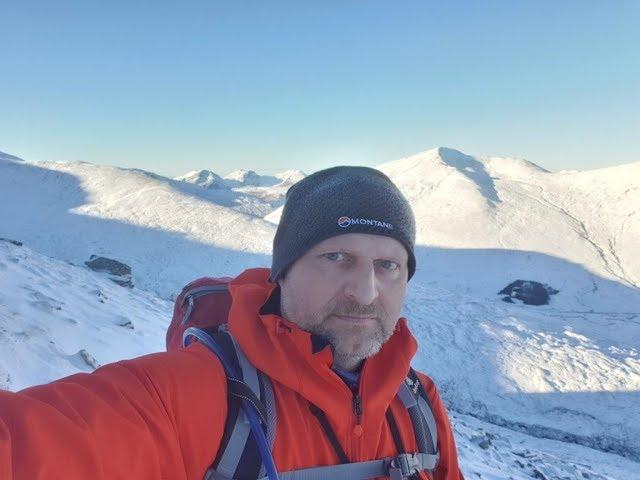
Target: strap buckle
(404, 465)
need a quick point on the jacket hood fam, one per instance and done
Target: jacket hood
(287, 354)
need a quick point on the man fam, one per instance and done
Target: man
(323, 324)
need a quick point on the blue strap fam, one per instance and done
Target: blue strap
(206, 339)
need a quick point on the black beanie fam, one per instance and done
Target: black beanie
(336, 201)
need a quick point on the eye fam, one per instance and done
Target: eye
(335, 256)
(388, 265)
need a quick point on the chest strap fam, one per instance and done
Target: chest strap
(396, 468)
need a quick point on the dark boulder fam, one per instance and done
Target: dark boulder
(528, 292)
(118, 272)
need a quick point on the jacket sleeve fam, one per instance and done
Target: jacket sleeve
(157, 416)
(448, 468)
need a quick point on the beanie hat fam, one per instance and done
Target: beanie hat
(336, 201)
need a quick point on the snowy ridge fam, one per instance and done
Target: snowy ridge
(290, 177)
(9, 158)
(248, 178)
(460, 201)
(203, 178)
(166, 231)
(265, 192)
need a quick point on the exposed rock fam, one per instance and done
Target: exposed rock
(483, 440)
(538, 474)
(88, 359)
(528, 291)
(126, 324)
(118, 272)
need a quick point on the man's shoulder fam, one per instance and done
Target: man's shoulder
(195, 359)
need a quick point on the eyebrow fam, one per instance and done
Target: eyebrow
(392, 257)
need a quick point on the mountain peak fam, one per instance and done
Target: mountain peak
(289, 177)
(204, 178)
(245, 177)
(446, 168)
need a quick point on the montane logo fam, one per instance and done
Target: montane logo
(345, 222)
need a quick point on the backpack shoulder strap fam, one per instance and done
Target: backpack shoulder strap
(245, 449)
(415, 400)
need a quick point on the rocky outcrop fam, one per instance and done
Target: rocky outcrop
(118, 272)
(528, 292)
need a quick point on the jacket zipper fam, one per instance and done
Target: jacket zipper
(356, 433)
(357, 407)
(358, 411)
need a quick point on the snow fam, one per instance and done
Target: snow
(544, 392)
(248, 178)
(274, 217)
(290, 177)
(167, 231)
(50, 311)
(544, 370)
(259, 194)
(203, 178)
(588, 218)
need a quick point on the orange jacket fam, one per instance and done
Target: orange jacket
(163, 415)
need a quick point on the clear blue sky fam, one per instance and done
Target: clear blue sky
(271, 85)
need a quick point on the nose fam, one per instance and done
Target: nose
(361, 285)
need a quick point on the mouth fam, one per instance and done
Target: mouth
(356, 318)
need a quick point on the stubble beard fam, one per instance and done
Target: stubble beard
(351, 343)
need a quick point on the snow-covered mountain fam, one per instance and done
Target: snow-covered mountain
(569, 370)
(289, 177)
(203, 178)
(249, 178)
(590, 218)
(167, 231)
(267, 191)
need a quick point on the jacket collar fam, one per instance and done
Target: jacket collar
(295, 358)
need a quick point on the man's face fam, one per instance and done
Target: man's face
(349, 289)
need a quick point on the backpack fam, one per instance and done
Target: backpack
(213, 300)
(200, 314)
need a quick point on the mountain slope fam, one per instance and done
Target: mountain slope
(588, 218)
(166, 233)
(58, 319)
